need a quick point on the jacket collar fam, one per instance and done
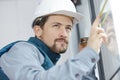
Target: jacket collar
(54, 57)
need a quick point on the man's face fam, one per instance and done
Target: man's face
(56, 32)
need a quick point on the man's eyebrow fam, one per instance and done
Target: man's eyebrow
(57, 23)
(69, 25)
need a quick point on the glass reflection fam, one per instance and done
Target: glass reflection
(108, 25)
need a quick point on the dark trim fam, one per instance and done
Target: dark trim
(78, 33)
(118, 69)
(93, 15)
(101, 68)
(76, 2)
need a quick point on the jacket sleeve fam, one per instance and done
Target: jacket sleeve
(23, 61)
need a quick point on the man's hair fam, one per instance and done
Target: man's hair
(40, 21)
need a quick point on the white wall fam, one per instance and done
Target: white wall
(15, 20)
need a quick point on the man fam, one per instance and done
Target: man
(52, 27)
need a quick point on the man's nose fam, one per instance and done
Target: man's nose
(63, 32)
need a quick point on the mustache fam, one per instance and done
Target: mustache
(65, 40)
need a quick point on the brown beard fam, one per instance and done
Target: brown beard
(54, 47)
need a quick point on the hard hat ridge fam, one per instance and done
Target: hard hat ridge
(64, 7)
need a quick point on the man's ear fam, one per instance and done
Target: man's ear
(37, 31)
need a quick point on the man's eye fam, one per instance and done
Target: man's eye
(57, 26)
(69, 28)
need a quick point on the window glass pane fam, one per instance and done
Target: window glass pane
(110, 53)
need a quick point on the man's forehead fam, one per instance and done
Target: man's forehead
(60, 15)
(57, 18)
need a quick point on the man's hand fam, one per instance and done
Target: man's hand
(97, 36)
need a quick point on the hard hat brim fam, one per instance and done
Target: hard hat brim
(77, 16)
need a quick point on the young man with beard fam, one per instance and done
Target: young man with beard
(36, 59)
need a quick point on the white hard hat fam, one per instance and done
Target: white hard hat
(65, 7)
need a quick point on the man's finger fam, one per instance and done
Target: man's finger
(96, 22)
